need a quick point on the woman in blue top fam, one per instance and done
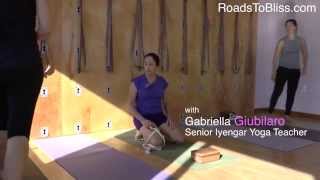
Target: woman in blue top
(148, 103)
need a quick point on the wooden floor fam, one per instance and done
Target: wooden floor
(253, 161)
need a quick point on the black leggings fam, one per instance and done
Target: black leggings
(284, 75)
(19, 90)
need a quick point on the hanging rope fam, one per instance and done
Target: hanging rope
(109, 38)
(44, 50)
(236, 48)
(137, 41)
(163, 39)
(221, 57)
(80, 48)
(70, 64)
(205, 59)
(184, 67)
(82, 40)
(249, 56)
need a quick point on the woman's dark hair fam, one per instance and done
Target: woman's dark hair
(293, 21)
(154, 56)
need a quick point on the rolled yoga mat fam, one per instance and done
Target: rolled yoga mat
(85, 158)
(179, 153)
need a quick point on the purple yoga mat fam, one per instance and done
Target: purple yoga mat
(85, 158)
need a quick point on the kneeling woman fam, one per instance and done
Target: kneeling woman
(147, 99)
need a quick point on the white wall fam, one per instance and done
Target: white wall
(270, 30)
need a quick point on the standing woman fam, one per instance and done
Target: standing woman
(148, 103)
(289, 62)
(21, 77)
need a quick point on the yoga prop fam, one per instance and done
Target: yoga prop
(184, 60)
(77, 57)
(179, 153)
(221, 57)
(249, 56)
(44, 51)
(236, 47)
(137, 40)
(205, 59)
(163, 38)
(148, 147)
(79, 34)
(205, 155)
(109, 38)
(85, 158)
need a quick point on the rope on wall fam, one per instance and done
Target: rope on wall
(236, 48)
(249, 56)
(80, 47)
(137, 40)
(205, 59)
(221, 57)
(163, 39)
(109, 38)
(44, 51)
(184, 61)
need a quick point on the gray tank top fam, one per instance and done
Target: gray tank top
(290, 56)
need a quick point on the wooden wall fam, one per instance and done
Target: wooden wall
(212, 92)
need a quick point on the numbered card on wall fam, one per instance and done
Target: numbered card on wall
(78, 90)
(108, 91)
(44, 92)
(108, 124)
(77, 128)
(44, 132)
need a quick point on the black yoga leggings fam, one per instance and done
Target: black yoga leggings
(284, 75)
(19, 90)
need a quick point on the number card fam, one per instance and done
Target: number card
(77, 128)
(44, 132)
(108, 124)
(44, 92)
(78, 90)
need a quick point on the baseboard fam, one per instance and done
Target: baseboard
(293, 114)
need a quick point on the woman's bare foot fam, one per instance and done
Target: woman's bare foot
(138, 136)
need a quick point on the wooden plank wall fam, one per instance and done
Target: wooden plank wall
(212, 92)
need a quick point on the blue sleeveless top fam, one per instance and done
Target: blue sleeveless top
(149, 96)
